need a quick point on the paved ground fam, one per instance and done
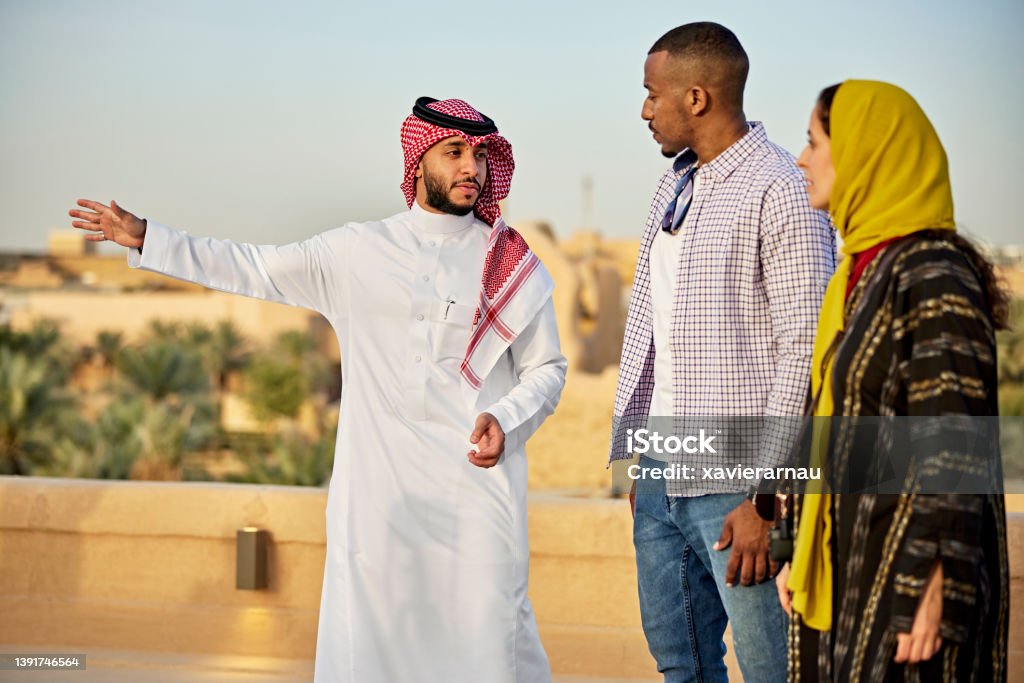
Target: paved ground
(114, 666)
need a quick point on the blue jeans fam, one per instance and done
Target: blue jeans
(684, 603)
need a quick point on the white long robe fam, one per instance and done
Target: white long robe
(427, 555)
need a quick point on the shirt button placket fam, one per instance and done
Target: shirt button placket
(422, 302)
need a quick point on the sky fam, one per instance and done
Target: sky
(269, 121)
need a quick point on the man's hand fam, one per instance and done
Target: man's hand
(923, 641)
(747, 533)
(109, 223)
(490, 440)
(785, 596)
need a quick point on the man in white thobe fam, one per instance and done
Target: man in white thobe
(451, 361)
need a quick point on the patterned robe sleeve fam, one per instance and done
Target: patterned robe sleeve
(945, 344)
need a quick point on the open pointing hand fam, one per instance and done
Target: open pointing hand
(109, 223)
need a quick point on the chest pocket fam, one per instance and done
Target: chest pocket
(451, 326)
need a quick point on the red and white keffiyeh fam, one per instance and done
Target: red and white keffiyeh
(515, 285)
(418, 136)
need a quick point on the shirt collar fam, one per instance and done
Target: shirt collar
(685, 160)
(438, 223)
(730, 159)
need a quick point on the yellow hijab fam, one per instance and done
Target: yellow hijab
(892, 179)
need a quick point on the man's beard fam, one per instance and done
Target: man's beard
(437, 196)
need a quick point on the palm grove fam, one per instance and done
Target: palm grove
(152, 409)
(155, 413)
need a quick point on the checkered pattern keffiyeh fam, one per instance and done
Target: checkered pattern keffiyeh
(514, 284)
(418, 136)
(753, 268)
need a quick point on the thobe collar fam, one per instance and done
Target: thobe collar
(438, 223)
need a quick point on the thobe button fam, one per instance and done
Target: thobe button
(426, 278)
(433, 243)
(419, 316)
(419, 358)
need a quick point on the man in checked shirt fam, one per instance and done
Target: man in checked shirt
(732, 269)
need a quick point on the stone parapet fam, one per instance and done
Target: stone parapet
(151, 566)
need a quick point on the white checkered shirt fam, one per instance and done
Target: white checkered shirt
(755, 261)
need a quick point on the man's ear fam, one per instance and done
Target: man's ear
(419, 169)
(697, 100)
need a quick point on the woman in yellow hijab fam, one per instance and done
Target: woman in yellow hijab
(909, 583)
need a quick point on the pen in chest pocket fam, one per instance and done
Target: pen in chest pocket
(450, 300)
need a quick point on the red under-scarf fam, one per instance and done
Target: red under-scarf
(862, 260)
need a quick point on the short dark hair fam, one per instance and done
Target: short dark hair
(824, 107)
(716, 48)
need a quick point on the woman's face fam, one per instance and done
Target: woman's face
(816, 163)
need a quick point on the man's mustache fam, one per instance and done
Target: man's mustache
(468, 180)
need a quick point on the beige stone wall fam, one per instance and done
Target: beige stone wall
(69, 243)
(1014, 279)
(113, 273)
(33, 274)
(82, 315)
(589, 294)
(570, 449)
(150, 566)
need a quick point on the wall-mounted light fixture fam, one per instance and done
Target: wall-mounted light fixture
(251, 558)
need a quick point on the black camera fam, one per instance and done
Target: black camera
(781, 541)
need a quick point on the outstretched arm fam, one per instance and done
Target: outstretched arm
(290, 274)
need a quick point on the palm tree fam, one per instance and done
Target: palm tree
(73, 453)
(163, 330)
(161, 369)
(226, 351)
(1010, 345)
(109, 345)
(294, 460)
(43, 336)
(118, 440)
(275, 388)
(168, 433)
(295, 344)
(32, 403)
(302, 350)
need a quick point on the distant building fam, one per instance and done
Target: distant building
(69, 243)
